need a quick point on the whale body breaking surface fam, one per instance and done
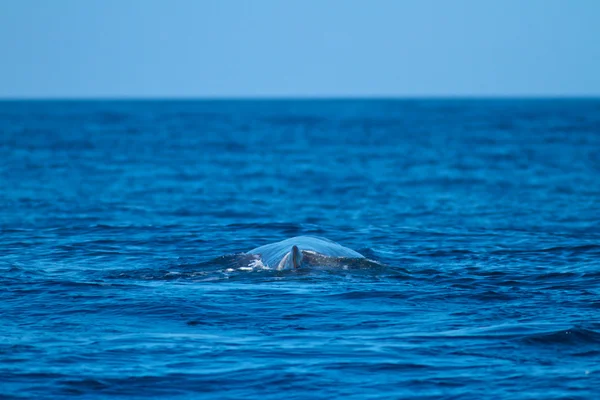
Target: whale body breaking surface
(302, 250)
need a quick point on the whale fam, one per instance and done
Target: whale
(299, 251)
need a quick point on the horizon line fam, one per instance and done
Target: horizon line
(303, 97)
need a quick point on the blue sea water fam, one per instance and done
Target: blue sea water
(120, 223)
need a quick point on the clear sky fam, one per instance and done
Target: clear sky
(237, 48)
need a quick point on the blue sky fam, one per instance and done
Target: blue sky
(288, 48)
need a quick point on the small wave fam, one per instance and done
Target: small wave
(266, 226)
(572, 336)
(526, 333)
(161, 274)
(368, 295)
(552, 250)
(491, 295)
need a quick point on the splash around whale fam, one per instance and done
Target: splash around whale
(302, 251)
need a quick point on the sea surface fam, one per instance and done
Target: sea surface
(121, 225)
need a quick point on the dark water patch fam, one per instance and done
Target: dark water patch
(589, 353)
(367, 295)
(553, 276)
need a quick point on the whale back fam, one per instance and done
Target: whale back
(272, 254)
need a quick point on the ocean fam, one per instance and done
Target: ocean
(121, 223)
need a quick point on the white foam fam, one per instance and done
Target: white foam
(255, 264)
